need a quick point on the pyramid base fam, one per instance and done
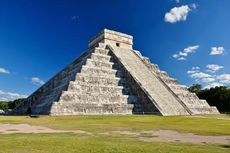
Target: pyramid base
(90, 109)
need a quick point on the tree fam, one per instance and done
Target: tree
(4, 105)
(218, 96)
(195, 88)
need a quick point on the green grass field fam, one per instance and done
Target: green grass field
(98, 143)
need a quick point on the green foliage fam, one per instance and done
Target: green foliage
(195, 88)
(4, 105)
(218, 96)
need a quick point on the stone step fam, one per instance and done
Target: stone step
(169, 80)
(93, 98)
(189, 101)
(198, 105)
(64, 79)
(138, 53)
(192, 102)
(98, 80)
(76, 69)
(59, 87)
(98, 71)
(44, 102)
(89, 88)
(133, 99)
(101, 51)
(162, 73)
(100, 57)
(96, 93)
(155, 67)
(214, 110)
(178, 87)
(90, 109)
(187, 94)
(183, 92)
(146, 60)
(204, 102)
(51, 94)
(204, 110)
(101, 45)
(184, 96)
(99, 64)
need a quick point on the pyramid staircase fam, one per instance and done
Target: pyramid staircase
(194, 104)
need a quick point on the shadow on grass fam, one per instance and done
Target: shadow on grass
(225, 146)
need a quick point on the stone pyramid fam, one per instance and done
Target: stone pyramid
(112, 78)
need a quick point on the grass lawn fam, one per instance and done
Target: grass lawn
(98, 143)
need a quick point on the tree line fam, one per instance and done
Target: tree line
(217, 96)
(4, 105)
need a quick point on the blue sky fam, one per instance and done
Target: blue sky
(190, 39)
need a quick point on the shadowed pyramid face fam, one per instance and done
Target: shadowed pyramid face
(112, 38)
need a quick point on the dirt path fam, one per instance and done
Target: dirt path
(147, 136)
(173, 136)
(218, 118)
(25, 128)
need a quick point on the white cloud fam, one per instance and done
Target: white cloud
(181, 58)
(195, 68)
(178, 13)
(7, 96)
(177, 1)
(193, 5)
(195, 73)
(37, 81)
(200, 75)
(213, 84)
(5, 71)
(207, 80)
(217, 50)
(183, 54)
(224, 78)
(191, 71)
(74, 18)
(213, 68)
(191, 49)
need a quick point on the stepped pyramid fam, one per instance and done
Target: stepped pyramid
(112, 78)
